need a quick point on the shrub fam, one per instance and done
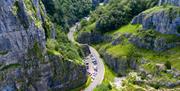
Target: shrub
(102, 87)
(52, 44)
(178, 29)
(168, 64)
(83, 22)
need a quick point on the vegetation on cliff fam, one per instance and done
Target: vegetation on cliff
(67, 12)
(118, 13)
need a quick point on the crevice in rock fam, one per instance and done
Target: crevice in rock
(21, 14)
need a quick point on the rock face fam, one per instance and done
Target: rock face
(162, 19)
(18, 32)
(93, 38)
(24, 63)
(171, 2)
(156, 44)
(119, 65)
(65, 74)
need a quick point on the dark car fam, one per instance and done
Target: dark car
(94, 62)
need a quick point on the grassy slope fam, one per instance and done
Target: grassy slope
(125, 49)
(108, 79)
(152, 57)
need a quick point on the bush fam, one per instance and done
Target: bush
(83, 23)
(168, 64)
(52, 44)
(156, 85)
(102, 87)
(178, 29)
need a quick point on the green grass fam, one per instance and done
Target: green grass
(121, 50)
(126, 29)
(172, 55)
(53, 52)
(108, 79)
(90, 27)
(109, 75)
(87, 28)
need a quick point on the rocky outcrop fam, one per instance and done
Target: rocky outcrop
(65, 74)
(93, 38)
(86, 50)
(162, 19)
(171, 2)
(24, 63)
(17, 31)
(117, 41)
(156, 44)
(22, 33)
(120, 65)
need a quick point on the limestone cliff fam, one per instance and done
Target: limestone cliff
(171, 2)
(24, 63)
(164, 19)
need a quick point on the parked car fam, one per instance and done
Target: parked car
(87, 67)
(87, 64)
(94, 62)
(94, 74)
(96, 70)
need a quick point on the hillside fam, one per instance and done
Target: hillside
(142, 46)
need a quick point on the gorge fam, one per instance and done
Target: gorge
(51, 45)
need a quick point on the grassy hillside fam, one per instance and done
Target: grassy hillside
(118, 13)
(151, 58)
(121, 47)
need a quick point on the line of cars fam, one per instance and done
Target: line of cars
(91, 66)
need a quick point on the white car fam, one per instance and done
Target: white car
(92, 77)
(95, 67)
(94, 74)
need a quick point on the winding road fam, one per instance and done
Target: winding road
(99, 76)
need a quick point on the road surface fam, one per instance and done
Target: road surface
(94, 56)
